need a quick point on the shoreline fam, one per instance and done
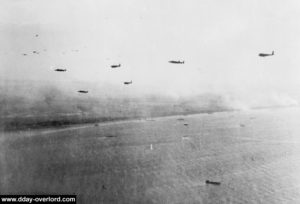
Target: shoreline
(29, 124)
(71, 122)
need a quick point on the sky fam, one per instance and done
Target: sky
(218, 40)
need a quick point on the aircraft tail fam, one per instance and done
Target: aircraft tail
(272, 52)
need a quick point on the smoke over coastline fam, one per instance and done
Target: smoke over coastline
(42, 104)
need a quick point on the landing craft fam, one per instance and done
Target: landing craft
(115, 66)
(265, 55)
(60, 70)
(127, 82)
(213, 182)
(176, 62)
(82, 91)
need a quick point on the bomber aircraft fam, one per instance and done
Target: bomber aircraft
(176, 62)
(265, 54)
(60, 70)
(115, 65)
(82, 91)
(128, 82)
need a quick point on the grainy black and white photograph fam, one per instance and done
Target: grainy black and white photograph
(150, 101)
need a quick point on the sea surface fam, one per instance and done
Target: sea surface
(255, 155)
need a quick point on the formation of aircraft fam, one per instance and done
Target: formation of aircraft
(171, 61)
(115, 65)
(119, 65)
(60, 70)
(265, 54)
(176, 62)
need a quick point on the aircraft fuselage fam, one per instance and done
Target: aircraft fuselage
(127, 82)
(81, 91)
(265, 54)
(60, 70)
(176, 62)
(115, 66)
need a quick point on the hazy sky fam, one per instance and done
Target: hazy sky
(219, 41)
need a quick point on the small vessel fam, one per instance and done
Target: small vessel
(212, 182)
(185, 137)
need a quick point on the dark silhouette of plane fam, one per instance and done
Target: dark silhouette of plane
(115, 66)
(35, 52)
(60, 70)
(265, 55)
(82, 91)
(24, 54)
(36, 35)
(127, 82)
(176, 62)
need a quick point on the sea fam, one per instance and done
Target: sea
(250, 156)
